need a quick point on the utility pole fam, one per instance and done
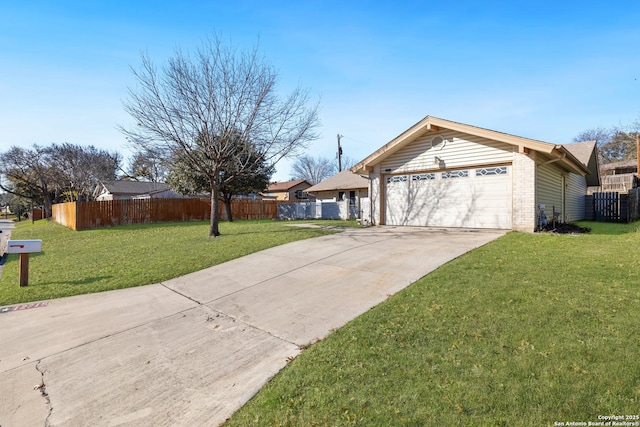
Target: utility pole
(339, 154)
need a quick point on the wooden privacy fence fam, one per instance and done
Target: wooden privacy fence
(613, 206)
(87, 215)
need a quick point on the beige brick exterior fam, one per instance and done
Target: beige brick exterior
(524, 193)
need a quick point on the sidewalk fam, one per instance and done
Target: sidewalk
(192, 350)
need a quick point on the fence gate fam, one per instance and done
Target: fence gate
(607, 207)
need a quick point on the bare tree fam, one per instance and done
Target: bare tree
(600, 135)
(149, 165)
(348, 162)
(313, 169)
(204, 107)
(77, 169)
(616, 143)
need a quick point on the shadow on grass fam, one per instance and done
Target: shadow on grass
(145, 226)
(85, 281)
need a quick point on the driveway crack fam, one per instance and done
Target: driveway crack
(181, 294)
(43, 391)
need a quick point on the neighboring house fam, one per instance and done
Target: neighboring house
(344, 185)
(446, 174)
(122, 190)
(619, 168)
(289, 190)
(618, 176)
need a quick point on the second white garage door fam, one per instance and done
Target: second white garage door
(469, 198)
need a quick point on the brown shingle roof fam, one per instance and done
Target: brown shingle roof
(275, 187)
(581, 150)
(345, 180)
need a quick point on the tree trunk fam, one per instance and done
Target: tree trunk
(227, 204)
(48, 209)
(214, 219)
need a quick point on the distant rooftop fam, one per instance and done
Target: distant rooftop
(275, 187)
(345, 180)
(135, 187)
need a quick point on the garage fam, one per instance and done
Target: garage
(465, 198)
(440, 173)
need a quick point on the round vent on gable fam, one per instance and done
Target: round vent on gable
(436, 140)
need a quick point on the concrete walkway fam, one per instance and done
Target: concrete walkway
(192, 350)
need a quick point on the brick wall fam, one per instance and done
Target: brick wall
(524, 193)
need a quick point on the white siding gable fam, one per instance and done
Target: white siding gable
(457, 150)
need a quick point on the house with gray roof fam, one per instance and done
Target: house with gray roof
(344, 186)
(123, 190)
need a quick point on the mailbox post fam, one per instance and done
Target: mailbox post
(24, 248)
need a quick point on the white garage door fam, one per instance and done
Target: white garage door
(470, 198)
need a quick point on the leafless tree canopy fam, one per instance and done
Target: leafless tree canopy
(348, 162)
(148, 165)
(79, 169)
(616, 143)
(599, 134)
(313, 169)
(206, 106)
(316, 169)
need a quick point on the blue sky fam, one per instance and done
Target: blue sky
(544, 70)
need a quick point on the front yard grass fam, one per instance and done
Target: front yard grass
(529, 330)
(83, 262)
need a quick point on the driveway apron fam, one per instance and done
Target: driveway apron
(192, 350)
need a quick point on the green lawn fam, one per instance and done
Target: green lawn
(83, 262)
(529, 330)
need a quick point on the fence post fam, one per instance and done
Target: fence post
(624, 207)
(588, 207)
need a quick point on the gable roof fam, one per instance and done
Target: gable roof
(276, 187)
(581, 150)
(345, 180)
(586, 152)
(134, 187)
(435, 124)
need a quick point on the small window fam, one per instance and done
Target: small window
(397, 178)
(423, 177)
(300, 195)
(498, 170)
(455, 174)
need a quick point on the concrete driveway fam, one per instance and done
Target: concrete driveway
(192, 350)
